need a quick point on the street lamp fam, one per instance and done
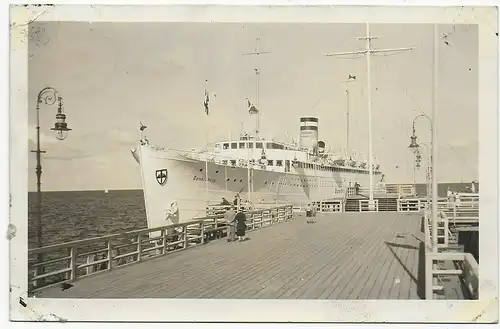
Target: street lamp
(47, 96)
(414, 147)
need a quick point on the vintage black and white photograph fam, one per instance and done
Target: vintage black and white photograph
(256, 160)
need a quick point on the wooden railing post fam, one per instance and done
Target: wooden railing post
(35, 274)
(429, 282)
(454, 213)
(446, 230)
(164, 241)
(110, 255)
(72, 263)
(185, 230)
(139, 247)
(202, 232)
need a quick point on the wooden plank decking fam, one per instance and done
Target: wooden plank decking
(342, 256)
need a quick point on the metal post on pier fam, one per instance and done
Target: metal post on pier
(206, 143)
(368, 52)
(434, 138)
(414, 145)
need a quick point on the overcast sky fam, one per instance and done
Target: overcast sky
(113, 75)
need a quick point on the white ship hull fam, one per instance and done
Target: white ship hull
(173, 178)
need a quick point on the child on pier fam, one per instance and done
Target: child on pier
(313, 214)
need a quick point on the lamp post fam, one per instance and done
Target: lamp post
(428, 171)
(47, 96)
(414, 147)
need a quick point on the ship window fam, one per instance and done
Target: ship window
(217, 146)
(242, 145)
(269, 145)
(224, 162)
(270, 162)
(233, 162)
(279, 163)
(234, 145)
(226, 146)
(250, 145)
(258, 145)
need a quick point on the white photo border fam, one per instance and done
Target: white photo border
(178, 310)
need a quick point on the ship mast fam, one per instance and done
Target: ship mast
(257, 52)
(368, 52)
(352, 78)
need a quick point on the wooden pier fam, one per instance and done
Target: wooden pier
(342, 256)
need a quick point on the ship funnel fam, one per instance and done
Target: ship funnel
(309, 133)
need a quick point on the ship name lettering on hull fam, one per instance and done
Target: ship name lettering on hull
(202, 179)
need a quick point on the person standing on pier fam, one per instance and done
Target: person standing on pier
(241, 225)
(230, 218)
(308, 213)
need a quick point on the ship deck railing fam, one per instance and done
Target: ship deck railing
(69, 261)
(446, 263)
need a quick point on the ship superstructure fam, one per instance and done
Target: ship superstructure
(178, 184)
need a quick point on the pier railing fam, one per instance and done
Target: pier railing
(408, 205)
(445, 262)
(402, 190)
(329, 206)
(364, 206)
(66, 262)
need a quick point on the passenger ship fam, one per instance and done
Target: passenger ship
(178, 184)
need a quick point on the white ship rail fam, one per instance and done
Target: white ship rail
(67, 262)
(444, 264)
(211, 156)
(408, 205)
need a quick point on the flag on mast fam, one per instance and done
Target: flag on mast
(251, 108)
(205, 103)
(207, 99)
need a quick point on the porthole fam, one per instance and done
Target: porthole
(235, 180)
(241, 180)
(216, 171)
(201, 169)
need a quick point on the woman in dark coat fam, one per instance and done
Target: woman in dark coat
(241, 226)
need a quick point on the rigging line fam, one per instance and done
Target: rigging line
(387, 54)
(402, 125)
(356, 57)
(407, 93)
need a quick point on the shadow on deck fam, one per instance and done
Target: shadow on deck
(341, 256)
